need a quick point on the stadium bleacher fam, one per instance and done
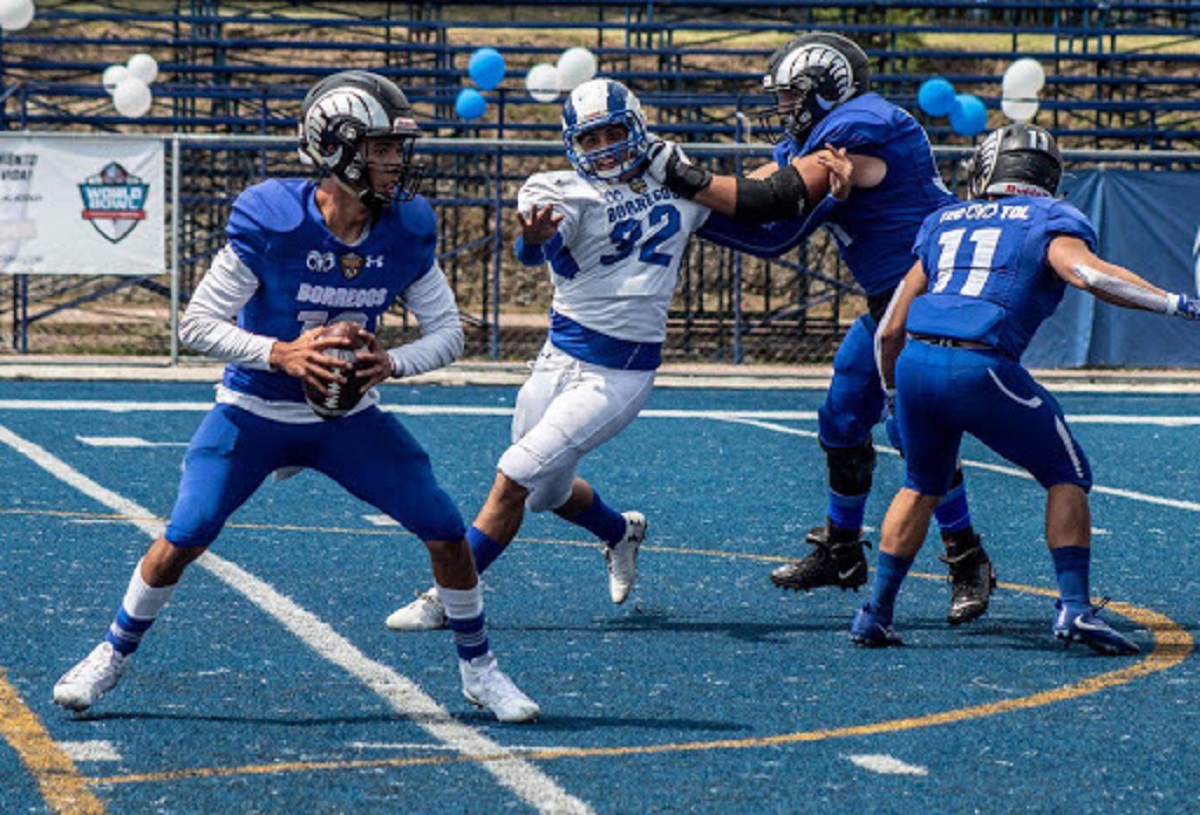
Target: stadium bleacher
(240, 66)
(1119, 75)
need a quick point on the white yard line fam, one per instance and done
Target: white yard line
(524, 779)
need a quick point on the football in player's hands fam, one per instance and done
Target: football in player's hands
(341, 397)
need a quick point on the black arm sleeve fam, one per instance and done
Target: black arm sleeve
(778, 197)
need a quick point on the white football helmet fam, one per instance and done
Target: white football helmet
(594, 104)
(340, 113)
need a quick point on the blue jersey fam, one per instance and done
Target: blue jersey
(307, 277)
(986, 262)
(874, 230)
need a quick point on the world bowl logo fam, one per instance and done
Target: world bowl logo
(114, 201)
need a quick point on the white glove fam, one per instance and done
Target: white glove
(660, 154)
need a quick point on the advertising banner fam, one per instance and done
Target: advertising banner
(81, 206)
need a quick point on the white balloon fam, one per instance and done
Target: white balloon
(1023, 79)
(542, 82)
(1019, 110)
(16, 14)
(112, 77)
(132, 97)
(144, 67)
(575, 66)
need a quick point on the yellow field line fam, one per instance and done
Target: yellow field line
(1172, 645)
(60, 783)
(66, 791)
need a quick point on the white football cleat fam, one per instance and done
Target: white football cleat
(95, 675)
(622, 557)
(485, 685)
(426, 613)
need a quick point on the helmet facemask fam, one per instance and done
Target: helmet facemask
(389, 172)
(612, 161)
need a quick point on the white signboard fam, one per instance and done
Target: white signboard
(89, 205)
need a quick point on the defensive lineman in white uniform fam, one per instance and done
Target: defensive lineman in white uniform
(614, 240)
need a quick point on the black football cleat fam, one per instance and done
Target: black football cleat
(972, 580)
(842, 564)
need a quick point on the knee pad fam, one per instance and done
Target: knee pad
(850, 468)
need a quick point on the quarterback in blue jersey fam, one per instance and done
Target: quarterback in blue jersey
(989, 271)
(823, 103)
(302, 256)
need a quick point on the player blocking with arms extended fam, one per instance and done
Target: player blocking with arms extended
(821, 84)
(613, 240)
(988, 273)
(301, 256)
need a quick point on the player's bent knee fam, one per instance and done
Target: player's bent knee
(547, 489)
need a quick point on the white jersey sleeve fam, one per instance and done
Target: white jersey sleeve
(207, 324)
(430, 299)
(548, 188)
(615, 269)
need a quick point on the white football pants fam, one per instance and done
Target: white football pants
(566, 409)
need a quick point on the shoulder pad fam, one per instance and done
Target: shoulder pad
(1064, 219)
(861, 124)
(552, 187)
(417, 216)
(273, 206)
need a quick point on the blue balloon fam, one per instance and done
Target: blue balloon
(968, 117)
(936, 96)
(470, 104)
(486, 68)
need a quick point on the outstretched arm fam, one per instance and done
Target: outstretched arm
(778, 237)
(1071, 260)
(785, 193)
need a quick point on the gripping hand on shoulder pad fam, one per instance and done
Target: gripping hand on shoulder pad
(669, 165)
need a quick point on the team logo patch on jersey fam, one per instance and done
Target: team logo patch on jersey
(639, 186)
(352, 264)
(114, 202)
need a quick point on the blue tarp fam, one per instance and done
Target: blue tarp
(1148, 223)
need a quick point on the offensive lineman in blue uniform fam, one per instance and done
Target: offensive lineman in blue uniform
(821, 84)
(989, 271)
(302, 256)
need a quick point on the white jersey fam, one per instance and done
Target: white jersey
(615, 259)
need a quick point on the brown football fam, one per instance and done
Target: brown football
(342, 397)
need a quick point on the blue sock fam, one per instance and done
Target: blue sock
(126, 632)
(137, 612)
(890, 572)
(484, 547)
(601, 520)
(846, 511)
(1071, 564)
(952, 513)
(464, 613)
